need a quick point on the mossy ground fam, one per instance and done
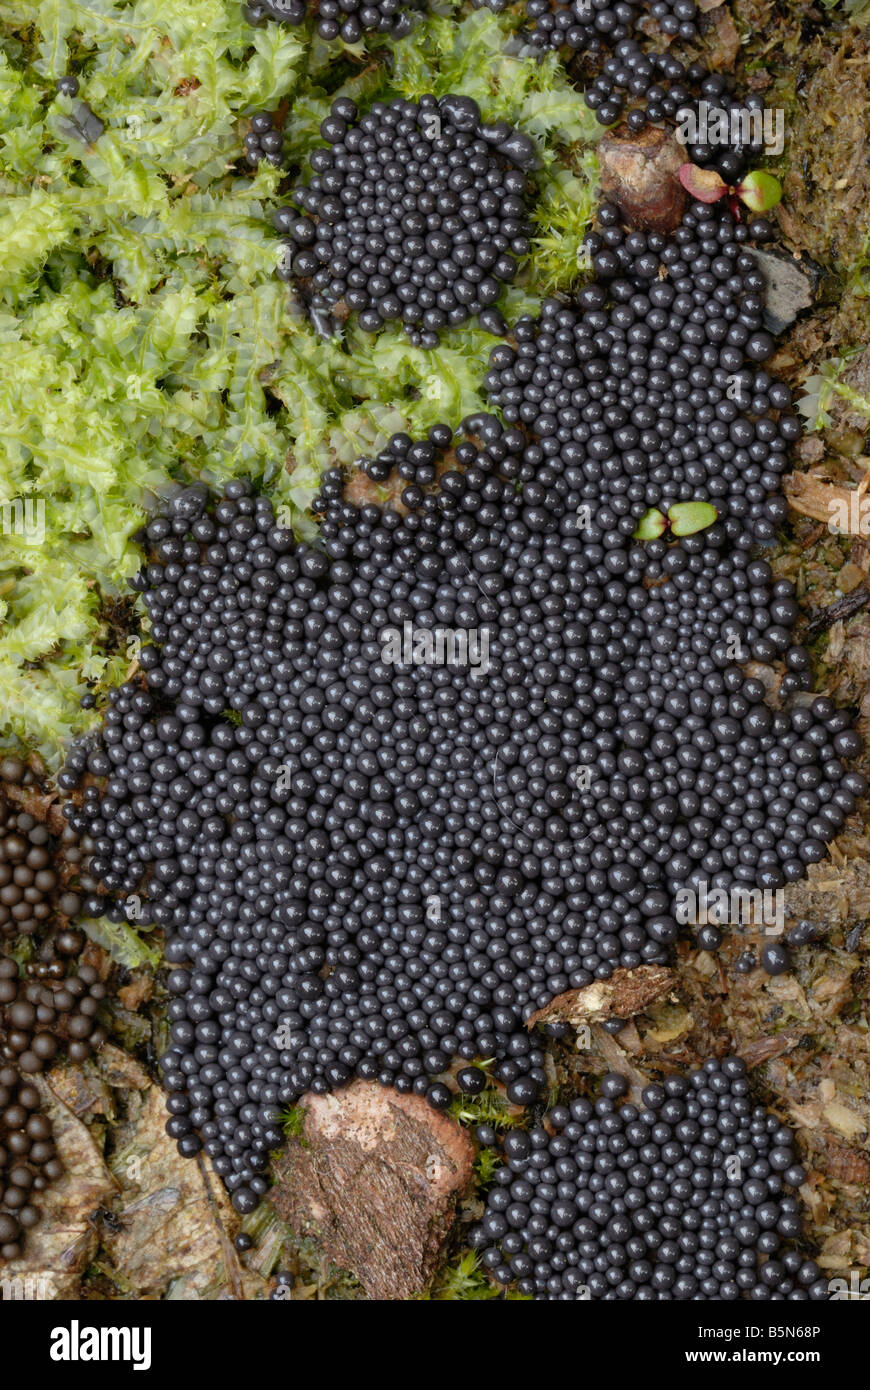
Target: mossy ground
(806, 1034)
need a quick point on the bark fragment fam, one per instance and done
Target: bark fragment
(624, 994)
(824, 501)
(639, 174)
(375, 1177)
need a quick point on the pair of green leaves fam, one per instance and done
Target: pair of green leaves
(683, 519)
(759, 191)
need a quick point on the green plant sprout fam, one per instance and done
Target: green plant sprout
(488, 1108)
(683, 519)
(466, 1282)
(292, 1121)
(486, 1165)
(758, 191)
(823, 386)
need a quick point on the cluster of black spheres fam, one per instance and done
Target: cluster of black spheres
(591, 27)
(684, 1196)
(651, 383)
(656, 87)
(585, 27)
(347, 20)
(648, 394)
(647, 85)
(263, 141)
(414, 214)
(312, 862)
(386, 859)
(392, 791)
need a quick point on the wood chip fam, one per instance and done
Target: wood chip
(839, 611)
(846, 1164)
(375, 1179)
(813, 496)
(849, 577)
(722, 54)
(624, 994)
(174, 1219)
(762, 1049)
(639, 174)
(844, 1120)
(619, 1061)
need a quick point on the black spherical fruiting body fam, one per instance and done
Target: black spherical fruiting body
(482, 745)
(683, 1195)
(349, 21)
(414, 213)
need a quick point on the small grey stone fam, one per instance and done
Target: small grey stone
(791, 285)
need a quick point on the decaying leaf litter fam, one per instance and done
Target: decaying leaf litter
(132, 1220)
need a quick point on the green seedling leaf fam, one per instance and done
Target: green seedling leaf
(651, 525)
(688, 517)
(704, 184)
(123, 943)
(759, 191)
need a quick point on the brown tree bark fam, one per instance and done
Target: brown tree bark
(375, 1177)
(624, 994)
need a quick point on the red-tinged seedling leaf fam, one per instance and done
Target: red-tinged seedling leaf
(703, 184)
(759, 191)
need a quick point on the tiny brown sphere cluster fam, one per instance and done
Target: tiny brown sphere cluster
(27, 877)
(684, 1196)
(50, 1006)
(28, 1162)
(40, 1012)
(47, 1007)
